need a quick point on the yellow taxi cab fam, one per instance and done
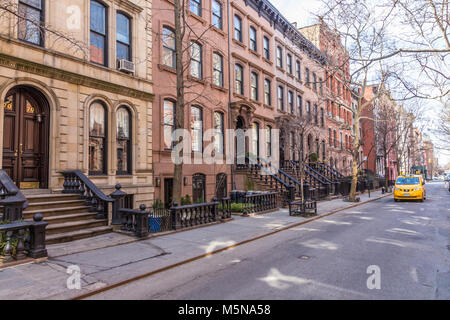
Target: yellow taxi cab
(410, 187)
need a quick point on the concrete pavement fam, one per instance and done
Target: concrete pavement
(123, 259)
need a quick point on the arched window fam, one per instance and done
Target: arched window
(123, 37)
(197, 129)
(169, 56)
(279, 57)
(267, 92)
(123, 141)
(199, 188)
(97, 138)
(239, 79)
(98, 34)
(281, 98)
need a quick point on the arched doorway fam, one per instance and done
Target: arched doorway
(26, 137)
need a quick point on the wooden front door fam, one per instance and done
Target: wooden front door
(25, 138)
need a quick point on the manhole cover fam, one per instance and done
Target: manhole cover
(304, 257)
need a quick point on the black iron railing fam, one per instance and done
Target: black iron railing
(12, 201)
(193, 215)
(77, 183)
(302, 207)
(224, 208)
(136, 221)
(257, 203)
(23, 239)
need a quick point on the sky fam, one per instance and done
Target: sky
(303, 12)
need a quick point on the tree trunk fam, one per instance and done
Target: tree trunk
(352, 195)
(179, 110)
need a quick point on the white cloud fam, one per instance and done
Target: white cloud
(300, 11)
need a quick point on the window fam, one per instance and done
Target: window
(196, 60)
(219, 130)
(323, 150)
(98, 33)
(123, 43)
(279, 57)
(198, 188)
(269, 141)
(30, 19)
(346, 142)
(334, 138)
(316, 120)
(317, 147)
(314, 81)
(289, 63)
(340, 141)
(322, 118)
(169, 53)
(266, 45)
(291, 101)
(255, 139)
(123, 137)
(196, 7)
(308, 110)
(330, 137)
(253, 35)
(298, 69)
(280, 98)
(320, 86)
(237, 28)
(300, 105)
(197, 129)
(254, 86)
(169, 123)
(217, 14)
(239, 84)
(291, 146)
(267, 92)
(307, 76)
(97, 138)
(217, 69)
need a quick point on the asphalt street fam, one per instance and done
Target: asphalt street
(404, 248)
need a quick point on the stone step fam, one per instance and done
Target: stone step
(53, 197)
(76, 235)
(28, 214)
(54, 204)
(65, 227)
(70, 217)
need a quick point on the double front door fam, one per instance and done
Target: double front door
(25, 138)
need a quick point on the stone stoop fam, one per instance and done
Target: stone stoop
(67, 216)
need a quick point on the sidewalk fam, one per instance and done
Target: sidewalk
(112, 258)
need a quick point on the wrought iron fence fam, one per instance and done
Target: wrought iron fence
(260, 202)
(159, 220)
(302, 207)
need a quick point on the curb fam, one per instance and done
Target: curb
(148, 274)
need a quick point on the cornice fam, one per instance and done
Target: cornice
(127, 4)
(62, 75)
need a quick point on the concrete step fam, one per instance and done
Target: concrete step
(76, 235)
(65, 227)
(70, 217)
(28, 214)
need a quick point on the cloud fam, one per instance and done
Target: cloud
(300, 11)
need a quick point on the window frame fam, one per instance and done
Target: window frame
(166, 124)
(200, 109)
(129, 142)
(198, 5)
(130, 34)
(254, 87)
(172, 50)
(42, 13)
(289, 64)
(105, 140)
(253, 42)
(279, 57)
(220, 18)
(219, 71)
(266, 47)
(198, 62)
(237, 67)
(237, 30)
(280, 98)
(105, 36)
(267, 94)
(222, 132)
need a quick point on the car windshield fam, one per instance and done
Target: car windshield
(408, 180)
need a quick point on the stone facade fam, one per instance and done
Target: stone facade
(61, 69)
